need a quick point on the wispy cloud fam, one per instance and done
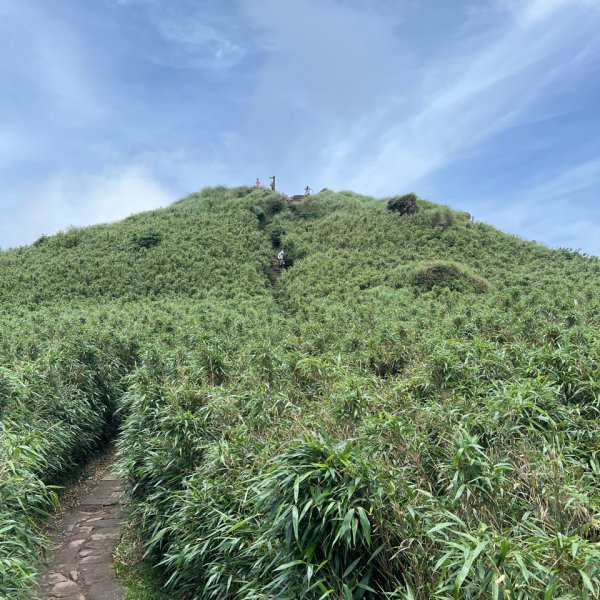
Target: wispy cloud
(195, 36)
(536, 10)
(561, 211)
(204, 46)
(470, 97)
(575, 179)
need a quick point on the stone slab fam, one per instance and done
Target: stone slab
(80, 555)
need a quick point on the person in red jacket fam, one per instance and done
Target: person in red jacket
(257, 182)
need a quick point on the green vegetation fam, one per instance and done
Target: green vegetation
(447, 273)
(146, 240)
(405, 205)
(138, 579)
(366, 424)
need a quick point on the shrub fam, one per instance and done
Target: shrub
(146, 240)
(309, 208)
(274, 204)
(443, 217)
(240, 192)
(69, 239)
(23, 499)
(405, 205)
(319, 502)
(449, 274)
(41, 240)
(277, 233)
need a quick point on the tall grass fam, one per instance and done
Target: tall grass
(353, 427)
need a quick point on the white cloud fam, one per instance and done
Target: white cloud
(78, 200)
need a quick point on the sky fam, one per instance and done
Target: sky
(112, 107)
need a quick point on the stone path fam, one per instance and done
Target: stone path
(80, 563)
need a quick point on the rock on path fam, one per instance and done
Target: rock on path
(80, 562)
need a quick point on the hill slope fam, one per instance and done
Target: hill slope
(409, 410)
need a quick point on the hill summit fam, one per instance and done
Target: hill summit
(408, 409)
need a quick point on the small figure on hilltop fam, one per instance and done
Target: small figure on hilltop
(307, 191)
(257, 182)
(272, 184)
(281, 260)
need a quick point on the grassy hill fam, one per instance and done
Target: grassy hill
(409, 410)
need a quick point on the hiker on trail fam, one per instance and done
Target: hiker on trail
(307, 191)
(280, 259)
(272, 184)
(257, 182)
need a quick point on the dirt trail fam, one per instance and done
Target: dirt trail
(80, 562)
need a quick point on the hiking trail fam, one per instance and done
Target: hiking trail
(80, 560)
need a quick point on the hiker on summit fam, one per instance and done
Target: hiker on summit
(307, 191)
(281, 260)
(257, 182)
(272, 184)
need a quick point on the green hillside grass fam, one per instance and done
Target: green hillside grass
(409, 410)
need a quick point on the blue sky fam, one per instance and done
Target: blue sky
(110, 107)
